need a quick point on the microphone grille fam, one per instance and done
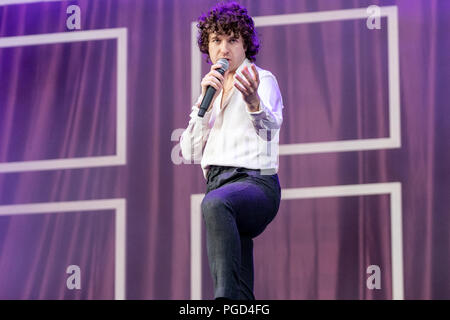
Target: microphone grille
(224, 63)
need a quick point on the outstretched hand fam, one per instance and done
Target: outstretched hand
(249, 88)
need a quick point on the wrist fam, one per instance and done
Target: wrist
(255, 107)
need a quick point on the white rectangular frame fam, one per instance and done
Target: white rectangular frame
(118, 205)
(13, 2)
(120, 34)
(390, 12)
(393, 189)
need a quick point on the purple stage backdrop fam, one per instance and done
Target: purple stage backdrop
(94, 203)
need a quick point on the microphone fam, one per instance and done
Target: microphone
(210, 91)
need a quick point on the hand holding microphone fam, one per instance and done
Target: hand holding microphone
(212, 84)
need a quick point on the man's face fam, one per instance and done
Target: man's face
(229, 47)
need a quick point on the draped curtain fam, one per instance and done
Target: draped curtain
(59, 101)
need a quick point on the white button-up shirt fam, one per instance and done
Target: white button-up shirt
(233, 136)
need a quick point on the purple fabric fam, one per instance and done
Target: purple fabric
(58, 101)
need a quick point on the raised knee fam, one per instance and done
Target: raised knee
(211, 205)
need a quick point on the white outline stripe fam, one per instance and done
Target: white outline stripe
(394, 139)
(70, 163)
(121, 140)
(196, 65)
(119, 205)
(391, 188)
(122, 60)
(397, 242)
(120, 252)
(196, 247)
(350, 190)
(318, 16)
(12, 2)
(394, 75)
(337, 146)
(61, 37)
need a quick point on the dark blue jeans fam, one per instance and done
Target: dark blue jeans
(238, 205)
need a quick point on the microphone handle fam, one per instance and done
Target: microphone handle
(210, 91)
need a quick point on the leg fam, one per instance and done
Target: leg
(247, 277)
(223, 247)
(234, 214)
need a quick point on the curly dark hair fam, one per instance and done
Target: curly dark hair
(227, 18)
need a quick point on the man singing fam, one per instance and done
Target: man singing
(237, 143)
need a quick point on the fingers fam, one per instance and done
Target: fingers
(213, 78)
(244, 83)
(242, 89)
(252, 79)
(255, 73)
(211, 81)
(214, 74)
(249, 84)
(217, 75)
(244, 86)
(217, 66)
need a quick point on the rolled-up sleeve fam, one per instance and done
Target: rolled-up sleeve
(270, 116)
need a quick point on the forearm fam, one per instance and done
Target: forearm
(194, 137)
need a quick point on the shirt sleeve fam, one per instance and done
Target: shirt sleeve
(194, 137)
(270, 116)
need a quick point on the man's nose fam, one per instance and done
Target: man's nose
(224, 47)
